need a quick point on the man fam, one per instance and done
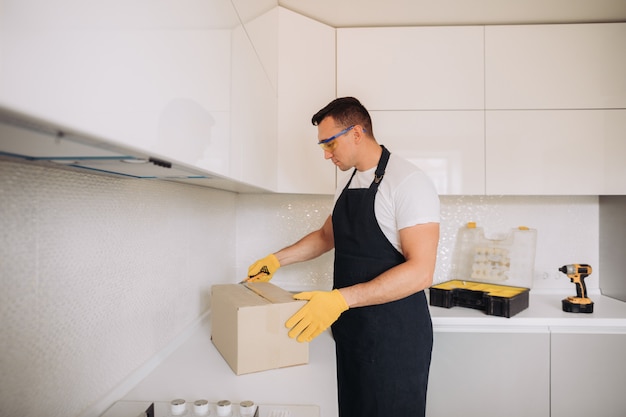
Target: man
(385, 230)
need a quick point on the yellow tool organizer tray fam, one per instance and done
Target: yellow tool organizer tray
(494, 299)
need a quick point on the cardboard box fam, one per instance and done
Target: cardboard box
(248, 327)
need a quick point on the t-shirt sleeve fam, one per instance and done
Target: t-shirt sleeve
(417, 201)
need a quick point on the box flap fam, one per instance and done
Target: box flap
(270, 292)
(238, 295)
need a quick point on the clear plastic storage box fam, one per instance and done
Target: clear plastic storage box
(507, 261)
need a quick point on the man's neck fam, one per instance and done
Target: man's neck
(370, 157)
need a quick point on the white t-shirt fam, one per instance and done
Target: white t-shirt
(406, 196)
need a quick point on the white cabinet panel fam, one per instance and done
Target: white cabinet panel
(412, 68)
(253, 117)
(307, 83)
(588, 373)
(259, 18)
(117, 85)
(553, 152)
(157, 82)
(612, 130)
(490, 374)
(556, 66)
(448, 145)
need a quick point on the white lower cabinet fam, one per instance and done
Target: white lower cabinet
(477, 374)
(539, 372)
(588, 374)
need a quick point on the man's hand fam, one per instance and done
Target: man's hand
(263, 269)
(322, 310)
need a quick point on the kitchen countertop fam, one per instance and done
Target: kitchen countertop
(196, 370)
(544, 310)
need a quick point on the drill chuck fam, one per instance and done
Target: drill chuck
(576, 269)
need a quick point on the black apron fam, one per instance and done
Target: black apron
(383, 351)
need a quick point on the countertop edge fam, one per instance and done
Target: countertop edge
(543, 314)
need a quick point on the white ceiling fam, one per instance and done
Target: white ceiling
(354, 13)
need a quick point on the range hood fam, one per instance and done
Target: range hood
(27, 139)
(36, 141)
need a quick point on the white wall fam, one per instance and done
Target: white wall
(99, 275)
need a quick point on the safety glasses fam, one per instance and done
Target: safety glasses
(330, 144)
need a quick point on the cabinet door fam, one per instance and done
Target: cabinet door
(588, 374)
(490, 374)
(259, 19)
(307, 83)
(412, 68)
(155, 82)
(556, 66)
(253, 117)
(556, 152)
(448, 146)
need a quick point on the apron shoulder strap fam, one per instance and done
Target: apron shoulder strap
(350, 180)
(382, 165)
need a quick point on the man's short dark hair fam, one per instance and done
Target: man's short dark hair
(346, 111)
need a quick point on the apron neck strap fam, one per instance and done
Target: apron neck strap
(382, 165)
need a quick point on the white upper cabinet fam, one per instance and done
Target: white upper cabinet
(556, 152)
(424, 87)
(556, 109)
(412, 68)
(259, 18)
(448, 146)
(253, 141)
(153, 79)
(306, 84)
(580, 66)
(283, 72)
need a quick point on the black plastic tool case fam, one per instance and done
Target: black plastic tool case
(493, 299)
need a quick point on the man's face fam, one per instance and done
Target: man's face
(335, 142)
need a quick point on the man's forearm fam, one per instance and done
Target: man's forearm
(309, 247)
(397, 283)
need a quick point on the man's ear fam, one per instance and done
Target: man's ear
(358, 134)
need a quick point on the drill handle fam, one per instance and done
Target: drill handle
(581, 288)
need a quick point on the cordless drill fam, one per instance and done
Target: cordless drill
(581, 303)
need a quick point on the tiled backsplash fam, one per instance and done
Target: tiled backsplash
(99, 274)
(567, 232)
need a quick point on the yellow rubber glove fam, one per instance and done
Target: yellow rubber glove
(263, 269)
(322, 310)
